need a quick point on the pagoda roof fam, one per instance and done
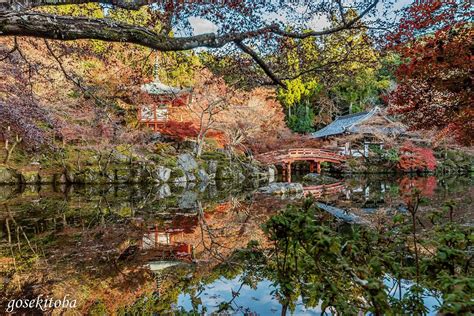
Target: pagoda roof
(158, 88)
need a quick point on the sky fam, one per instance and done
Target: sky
(201, 25)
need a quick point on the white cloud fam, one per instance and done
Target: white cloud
(201, 26)
(319, 22)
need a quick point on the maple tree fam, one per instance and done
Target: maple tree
(434, 41)
(179, 130)
(413, 158)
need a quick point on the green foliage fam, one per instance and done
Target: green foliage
(385, 155)
(297, 92)
(301, 120)
(213, 155)
(98, 309)
(361, 90)
(344, 266)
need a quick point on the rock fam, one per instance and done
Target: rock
(312, 177)
(134, 174)
(8, 175)
(163, 174)
(120, 158)
(30, 177)
(202, 186)
(279, 188)
(190, 177)
(212, 191)
(180, 180)
(203, 176)
(62, 179)
(188, 200)
(187, 163)
(317, 179)
(122, 175)
(164, 191)
(48, 176)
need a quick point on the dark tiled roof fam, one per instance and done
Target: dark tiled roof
(342, 123)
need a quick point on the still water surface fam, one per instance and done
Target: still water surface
(119, 248)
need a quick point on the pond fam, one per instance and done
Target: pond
(204, 249)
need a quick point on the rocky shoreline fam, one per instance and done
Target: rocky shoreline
(119, 169)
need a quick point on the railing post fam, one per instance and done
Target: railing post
(288, 176)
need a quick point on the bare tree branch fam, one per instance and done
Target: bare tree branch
(260, 62)
(51, 26)
(341, 11)
(28, 4)
(344, 26)
(58, 27)
(72, 28)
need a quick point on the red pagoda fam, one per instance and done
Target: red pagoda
(160, 100)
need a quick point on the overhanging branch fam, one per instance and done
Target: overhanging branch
(41, 25)
(58, 27)
(260, 62)
(28, 4)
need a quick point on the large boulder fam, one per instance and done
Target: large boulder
(30, 177)
(317, 179)
(8, 175)
(188, 200)
(187, 162)
(180, 180)
(163, 174)
(164, 191)
(120, 158)
(280, 188)
(190, 177)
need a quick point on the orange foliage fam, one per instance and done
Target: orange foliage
(413, 158)
(426, 186)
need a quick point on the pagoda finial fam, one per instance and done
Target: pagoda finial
(155, 68)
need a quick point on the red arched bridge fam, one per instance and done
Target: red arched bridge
(286, 157)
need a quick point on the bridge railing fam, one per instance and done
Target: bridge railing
(299, 153)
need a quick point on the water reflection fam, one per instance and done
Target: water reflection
(369, 195)
(261, 300)
(246, 300)
(111, 246)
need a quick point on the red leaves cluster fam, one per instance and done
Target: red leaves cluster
(435, 81)
(413, 158)
(179, 130)
(425, 185)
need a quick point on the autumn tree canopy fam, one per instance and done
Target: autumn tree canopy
(245, 24)
(435, 44)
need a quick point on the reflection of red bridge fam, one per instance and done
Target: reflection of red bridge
(320, 190)
(286, 157)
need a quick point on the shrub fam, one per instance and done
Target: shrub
(413, 158)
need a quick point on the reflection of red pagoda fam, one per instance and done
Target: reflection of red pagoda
(159, 101)
(174, 239)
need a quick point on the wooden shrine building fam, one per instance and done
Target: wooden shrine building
(158, 101)
(352, 135)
